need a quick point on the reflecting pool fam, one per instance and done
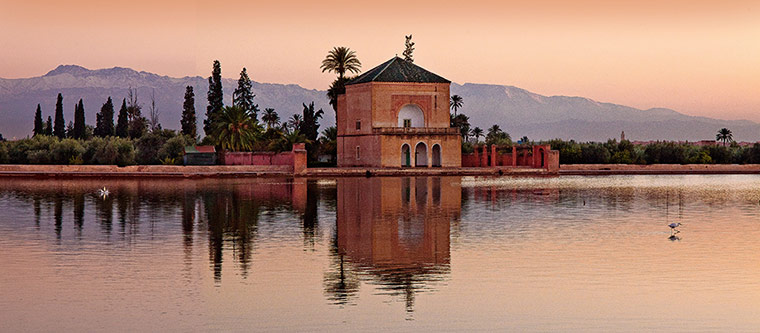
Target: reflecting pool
(402, 254)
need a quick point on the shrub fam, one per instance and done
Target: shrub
(148, 146)
(63, 151)
(174, 148)
(109, 151)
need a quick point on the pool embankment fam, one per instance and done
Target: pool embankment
(176, 171)
(657, 169)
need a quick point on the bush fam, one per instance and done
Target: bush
(109, 151)
(63, 151)
(174, 148)
(148, 146)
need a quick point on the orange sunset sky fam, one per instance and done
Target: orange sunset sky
(698, 57)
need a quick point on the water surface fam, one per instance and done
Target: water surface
(426, 253)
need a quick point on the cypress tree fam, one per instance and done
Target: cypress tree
(59, 127)
(79, 126)
(243, 97)
(49, 126)
(122, 124)
(104, 123)
(188, 113)
(215, 97)
(39, 126)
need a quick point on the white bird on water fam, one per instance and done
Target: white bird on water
(104, 192)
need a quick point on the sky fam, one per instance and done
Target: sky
(697, 57)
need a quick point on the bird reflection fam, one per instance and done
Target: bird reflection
(674, 238)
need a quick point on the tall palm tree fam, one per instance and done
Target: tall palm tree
(477, 132)
(270, 118)
(724, 135)
(524, 139)
(341, 60)
(236, 129)
(456, 103)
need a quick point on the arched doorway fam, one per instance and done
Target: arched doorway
(406, 156)
(436, 158)
(420, 155)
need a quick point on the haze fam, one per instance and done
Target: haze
(697, 57)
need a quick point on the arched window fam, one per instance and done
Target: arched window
(411, 116)
(436, 159)
(406, 155)
(420, 155)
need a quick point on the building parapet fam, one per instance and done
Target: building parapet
(415, 130)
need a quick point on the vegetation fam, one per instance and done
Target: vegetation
(79, 125)
(188, 122)
(104, 120)
(725, 135)
(408, 49)
(122, 124)
(455, 103)
(243, 97)
(215, 97)
(341, 60)
(236, 129)
(59, 127)
(39, 126)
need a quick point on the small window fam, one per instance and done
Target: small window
(358, 154)
(358, 126)
(407, 123)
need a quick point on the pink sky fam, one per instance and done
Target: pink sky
(698, 57)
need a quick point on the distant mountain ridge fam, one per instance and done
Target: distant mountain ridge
(517, 111)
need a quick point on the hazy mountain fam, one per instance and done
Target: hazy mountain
(516, 110)
(19, 97)
(521, 112)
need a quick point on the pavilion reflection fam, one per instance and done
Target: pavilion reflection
(393, 233)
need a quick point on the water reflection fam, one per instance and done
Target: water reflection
(368, 253)
(400, 243)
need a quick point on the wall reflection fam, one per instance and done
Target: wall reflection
(394, 231)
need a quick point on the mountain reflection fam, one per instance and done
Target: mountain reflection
(395, 231)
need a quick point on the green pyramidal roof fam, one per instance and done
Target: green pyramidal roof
(398, 70)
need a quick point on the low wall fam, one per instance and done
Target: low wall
(294, 159)
(29, 170)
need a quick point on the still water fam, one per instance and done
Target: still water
(401, 254)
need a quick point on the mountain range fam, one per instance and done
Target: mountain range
(517, 111)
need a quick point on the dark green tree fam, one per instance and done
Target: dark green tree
(59, 127)
(122, 123)
(79, 125)
(49, 126)
(188, 122)
(70, 127)
(39, 125)
(104, 120)
(215, 98)
(477, 132)
(243, 97)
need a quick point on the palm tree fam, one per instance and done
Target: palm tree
(477, 132)
(494, 130)
(270, 118)
(456, 103)
(524, 139)
(295, 122)
(341, 60)
(724, 135)
(236, 129)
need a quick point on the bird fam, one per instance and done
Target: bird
(674, 225)
(103, 192)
